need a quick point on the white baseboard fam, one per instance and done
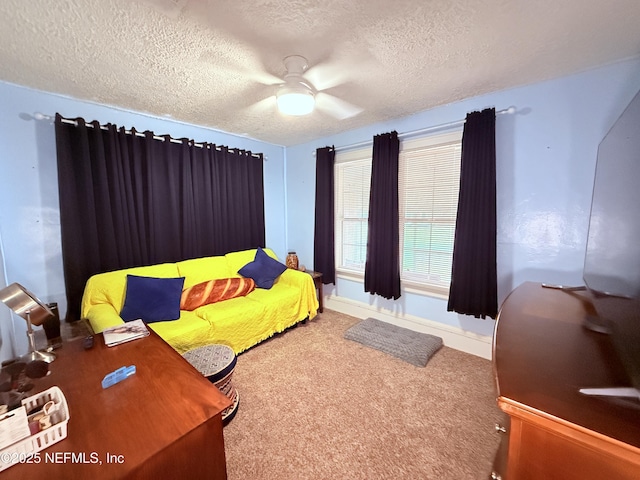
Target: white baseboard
(469, 342)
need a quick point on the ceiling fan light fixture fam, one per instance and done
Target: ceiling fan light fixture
(295, 100)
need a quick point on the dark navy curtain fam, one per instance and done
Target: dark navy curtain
(324, 232)
(474, 282)
(129, 200)
(382, 267)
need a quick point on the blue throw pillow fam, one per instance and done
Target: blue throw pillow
(152, 299)
(264, 270)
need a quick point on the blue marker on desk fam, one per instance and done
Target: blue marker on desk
(118, 375)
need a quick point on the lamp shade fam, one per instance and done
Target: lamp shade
(295, 99)
(21, 301)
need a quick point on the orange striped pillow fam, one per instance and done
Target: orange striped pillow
(215, 291)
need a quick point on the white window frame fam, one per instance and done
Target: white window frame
(410, 282)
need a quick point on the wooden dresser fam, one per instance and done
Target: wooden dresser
(542, 356)
(165, 421)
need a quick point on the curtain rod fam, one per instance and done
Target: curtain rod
(411, 133)
(42, 116)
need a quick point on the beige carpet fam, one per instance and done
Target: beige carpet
(316, 406)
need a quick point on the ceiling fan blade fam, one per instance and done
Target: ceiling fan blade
(325, 76)
(266, 78)
(266, 105)
(247, 68)
(252, 67)
(336, 107)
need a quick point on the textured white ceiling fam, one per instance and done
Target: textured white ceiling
(211, 62)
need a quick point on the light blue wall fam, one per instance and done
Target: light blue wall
(7, 335)
(546, 155)
(29, 211)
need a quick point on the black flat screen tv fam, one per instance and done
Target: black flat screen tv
(612, 260)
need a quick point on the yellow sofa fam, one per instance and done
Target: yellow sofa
(239, 322)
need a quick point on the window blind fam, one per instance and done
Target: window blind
(353, 183)
(428, 184)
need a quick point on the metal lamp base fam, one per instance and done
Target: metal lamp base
(38, 355)
(35, 354)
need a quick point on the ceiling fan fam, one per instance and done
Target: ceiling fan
(302, 89)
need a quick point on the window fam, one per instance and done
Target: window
(428, 180)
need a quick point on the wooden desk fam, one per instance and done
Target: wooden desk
(163, 422)
(542, 357)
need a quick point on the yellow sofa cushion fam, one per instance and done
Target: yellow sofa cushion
(239, 322)
(198, 270)
(188, 332)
